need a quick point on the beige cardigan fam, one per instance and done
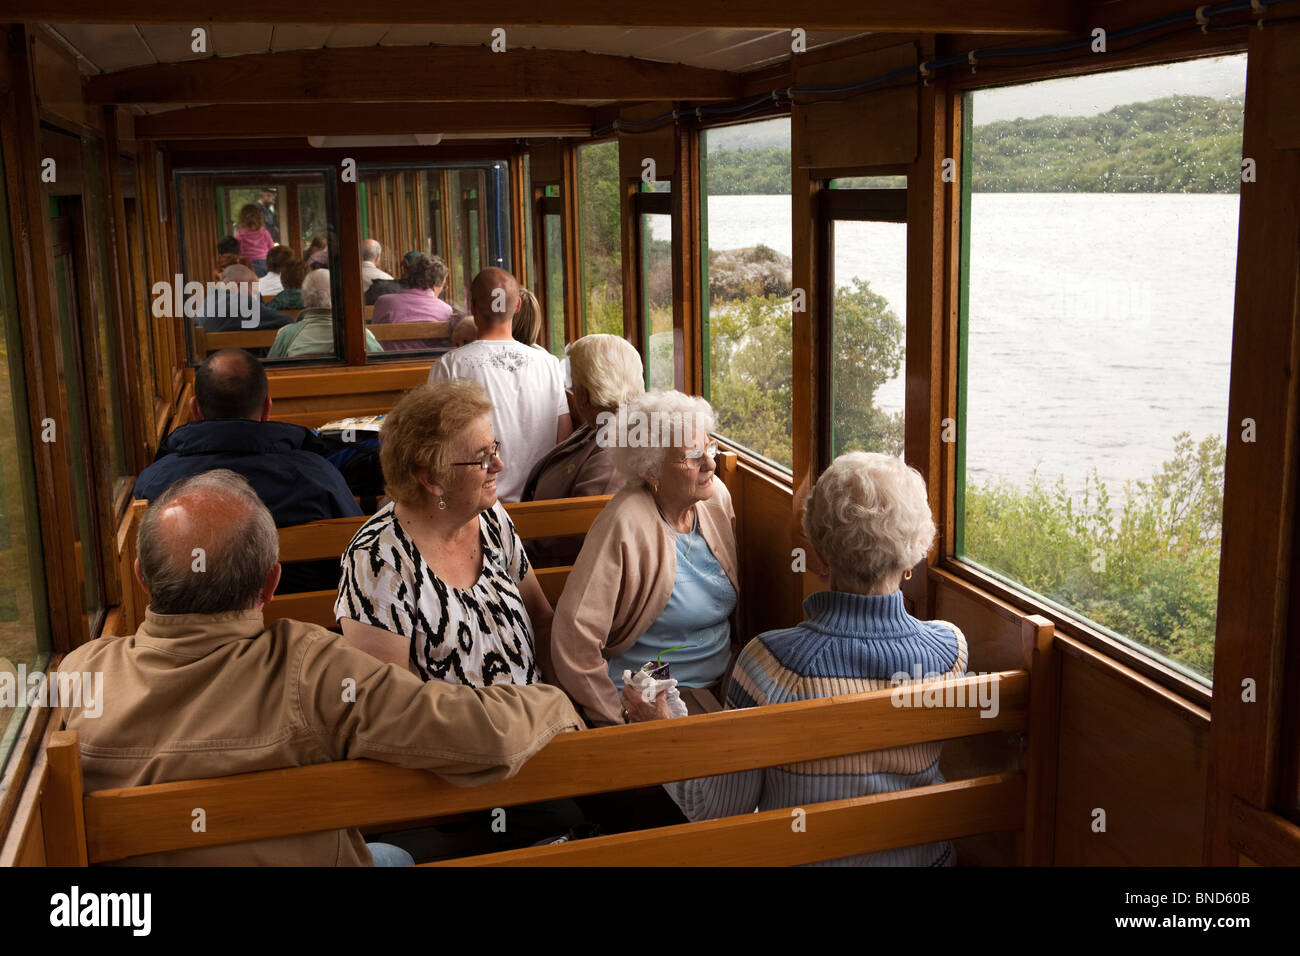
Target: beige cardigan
(619, 585)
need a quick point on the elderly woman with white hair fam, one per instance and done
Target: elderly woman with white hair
(869, 519)
(313, 333)
(606, 372)
(658, 570)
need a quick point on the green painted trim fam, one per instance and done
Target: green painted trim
(963, 325)
(707, 373)
(365, 206)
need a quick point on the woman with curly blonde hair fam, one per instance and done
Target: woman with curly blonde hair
(254, 238)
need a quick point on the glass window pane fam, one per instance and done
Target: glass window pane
(24, 624)
(1098, 327)
(657, 298)
(870, 182)
(554, 283)
(224, 223)
(602, 244)
(868, 314)
(745, 178)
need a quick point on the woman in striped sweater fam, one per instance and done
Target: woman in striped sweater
(869, 515)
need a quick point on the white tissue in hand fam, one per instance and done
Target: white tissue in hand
(645, 685)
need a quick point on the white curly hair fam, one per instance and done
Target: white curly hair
(647, 426)
(869, 517)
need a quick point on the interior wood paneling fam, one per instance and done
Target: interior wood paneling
(58, 84)
(1127, 748)
(763, 517)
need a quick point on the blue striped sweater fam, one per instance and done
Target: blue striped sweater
(850, 643)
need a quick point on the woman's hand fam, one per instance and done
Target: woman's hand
(639, 709)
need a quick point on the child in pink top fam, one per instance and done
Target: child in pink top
(254, 239)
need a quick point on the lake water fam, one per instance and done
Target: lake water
(1100, 324)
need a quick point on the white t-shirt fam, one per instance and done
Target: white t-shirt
(527, 393)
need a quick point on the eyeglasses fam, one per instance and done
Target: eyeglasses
(695, 454)
(486, 461)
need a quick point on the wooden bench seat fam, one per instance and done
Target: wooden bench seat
(116, 824)
(404, 331)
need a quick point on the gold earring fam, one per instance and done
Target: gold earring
(907, 575)
(442, 506)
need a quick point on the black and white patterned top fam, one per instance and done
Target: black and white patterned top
(478, 636)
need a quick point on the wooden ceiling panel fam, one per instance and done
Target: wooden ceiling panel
(169, 44)
(237, 39)
(107, 48)
(357, 34)
(300, 36)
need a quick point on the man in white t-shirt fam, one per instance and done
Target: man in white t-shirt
(530, 414)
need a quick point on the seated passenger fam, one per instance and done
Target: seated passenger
(370, 271)
(437, 581)
(419, 302)
(206, 689)
(271, 284)
(658, 568)
(606, 373)
(869, 517)
(313, 333)
(255, 240)
(527, 325)
(228, 255)
(466, 331)
(230, 428)
(381, 287)
(290, 295)
(237, 302)
(530, 412)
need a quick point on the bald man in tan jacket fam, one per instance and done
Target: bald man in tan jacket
(205, 689)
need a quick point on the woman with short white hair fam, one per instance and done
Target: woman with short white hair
(313, 333)
(658, 572)
(869, 519)
(606, 372)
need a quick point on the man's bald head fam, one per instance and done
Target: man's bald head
(230, 384)
(238, 273)
(370, 250)
(207, 545)
(494, 295)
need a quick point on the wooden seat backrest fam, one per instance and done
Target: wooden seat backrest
(368, 313)
(116, 824)
(243, 339)
(400, 331)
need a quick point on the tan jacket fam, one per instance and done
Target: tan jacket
(619, 585)
(209, 695)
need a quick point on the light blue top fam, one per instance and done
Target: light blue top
(697, 615)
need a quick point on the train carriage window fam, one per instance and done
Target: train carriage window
(601, 241)
(1096, 323)
(864, 231)
(745, 225)
(549, 257)
(24, 624)
(656, 230)
(302, 211)
(454, 213)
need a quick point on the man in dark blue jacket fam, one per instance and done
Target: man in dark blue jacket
(284, 463)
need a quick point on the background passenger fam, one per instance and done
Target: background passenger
(255, 241)
(206, 689)
(236, 301)
(527, 325)
(606, 371)
(266, 199)
(290, 295)
(313, 333)
(371, 251)
(230, 427)
(437, 581)
(869, 519)
(657, 569)
(228, 255)
(271, 284)
(530, 412)
(384, 286)
(418, 302)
